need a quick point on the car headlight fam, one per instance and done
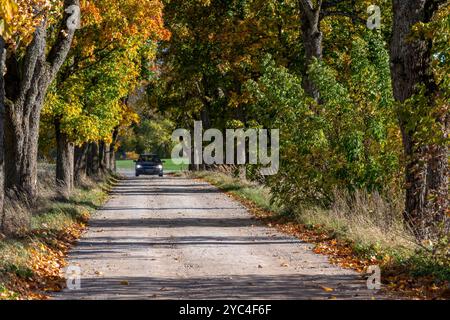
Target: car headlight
(138, 166)
(160, 167)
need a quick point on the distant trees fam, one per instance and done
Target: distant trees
(86, 105)
(240, 63)
(153, 135)
(348, 107)
(79, 85)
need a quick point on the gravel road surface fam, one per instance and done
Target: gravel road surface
(177, 238)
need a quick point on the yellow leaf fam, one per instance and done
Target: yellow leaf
(328, 289)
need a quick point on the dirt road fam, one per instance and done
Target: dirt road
(175, 238)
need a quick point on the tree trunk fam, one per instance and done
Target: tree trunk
(93, 164)
(103, 167)
(312, 38)
(22, 114)
(80, 166)
(2, 112)
(112, 150)
(64, 162)
(312, 41)
(112, 159)
(107, 157)
(21, 143)
(192, 165)
(427, 165)
(26, 82)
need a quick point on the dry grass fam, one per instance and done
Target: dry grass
(46, 221)
(367, 219)
(20, 217)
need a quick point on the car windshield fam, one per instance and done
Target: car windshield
(149, 159)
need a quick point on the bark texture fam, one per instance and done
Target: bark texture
(64, 162)
(427, 165)
(312, 13)
(26, 82)
(312, 41)
(2, 112)
(93, 160)
(103, 157)
(80, 165)
(112, 150)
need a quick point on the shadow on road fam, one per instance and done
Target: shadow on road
(230, 287)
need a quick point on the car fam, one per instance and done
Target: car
(150, 165)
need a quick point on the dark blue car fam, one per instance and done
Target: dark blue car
(150, 165)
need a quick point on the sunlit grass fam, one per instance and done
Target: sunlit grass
(54, 217)
(169, 165)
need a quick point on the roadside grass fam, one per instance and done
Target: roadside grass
(245, 189)
(168, 165)
(125, 164)
(30, 264)
(357, 232)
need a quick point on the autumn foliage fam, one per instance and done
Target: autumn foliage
(358, 109)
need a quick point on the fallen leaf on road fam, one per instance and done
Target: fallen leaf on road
(124, 283)
(328, 289)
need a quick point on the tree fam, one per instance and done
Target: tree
(86, 109)
(29, 72)
(312, 39)
(116, 38)
(311, 15)
(2, 114)
(423, 107)
(7, 10)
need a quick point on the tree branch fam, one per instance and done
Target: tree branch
(35, 52)
(61, 48)
(96, 62)
(311, 13)
(332, 3)
(308, 8)
(353, 16)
